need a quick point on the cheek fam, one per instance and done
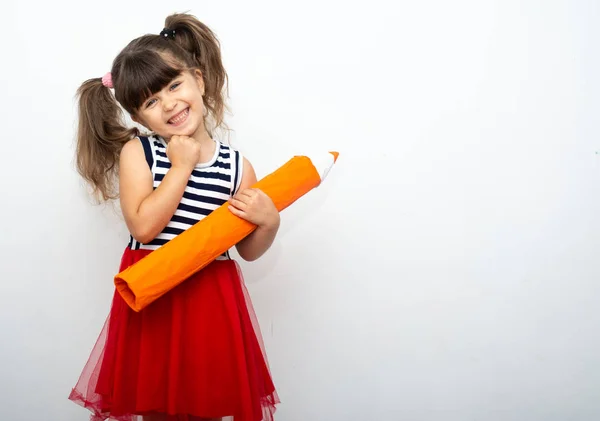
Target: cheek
(195, 97)
(198, 106)
(153, 118)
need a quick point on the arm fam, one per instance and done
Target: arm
(147, 211)
(256, 207)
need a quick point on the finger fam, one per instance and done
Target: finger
(238, 203)
(240, 197)
(245, 196)
(247, 193)
(236, 211)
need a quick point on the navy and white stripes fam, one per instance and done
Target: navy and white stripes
(209, 186)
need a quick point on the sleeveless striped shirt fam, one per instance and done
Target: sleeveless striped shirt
(210, 185)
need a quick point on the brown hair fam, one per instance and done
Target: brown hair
(145, 66)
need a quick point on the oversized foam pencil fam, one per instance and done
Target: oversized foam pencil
(174, 262)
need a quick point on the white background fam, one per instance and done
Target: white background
(447, 270)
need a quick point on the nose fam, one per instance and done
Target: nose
(169, 104)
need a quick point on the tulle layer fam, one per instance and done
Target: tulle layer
(194, 353)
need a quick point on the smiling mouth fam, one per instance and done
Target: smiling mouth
(180, 117)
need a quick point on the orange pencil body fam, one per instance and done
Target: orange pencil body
(189, 252)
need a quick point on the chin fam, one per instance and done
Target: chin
(186, 130)
(182, 132)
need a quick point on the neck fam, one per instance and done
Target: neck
(202, 136)
(207, 144)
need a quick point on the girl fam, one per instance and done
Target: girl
(196, 353)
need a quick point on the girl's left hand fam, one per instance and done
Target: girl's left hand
(256, 207)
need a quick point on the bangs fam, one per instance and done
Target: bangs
(143, 74)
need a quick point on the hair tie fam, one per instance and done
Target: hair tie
(107, 80)
(168, 33)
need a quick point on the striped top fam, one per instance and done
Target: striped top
(210, 185)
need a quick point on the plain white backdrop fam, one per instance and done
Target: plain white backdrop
(447, 270)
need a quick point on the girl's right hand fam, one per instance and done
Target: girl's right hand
(183, 152)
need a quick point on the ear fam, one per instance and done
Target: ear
(199, 80)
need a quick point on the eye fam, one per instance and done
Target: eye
(150, 102)
(175, 85)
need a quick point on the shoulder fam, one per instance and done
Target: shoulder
(239, 159)
(240, 163)
(243, 171)
(228, 150)
(139, 144)
(235, 153)
(132, 147)
(248, 177)
(248, 166)
(135, 152)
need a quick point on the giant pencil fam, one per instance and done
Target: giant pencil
(170, 265)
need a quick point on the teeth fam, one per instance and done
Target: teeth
(179, 117)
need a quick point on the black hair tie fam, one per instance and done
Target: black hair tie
(168, 33)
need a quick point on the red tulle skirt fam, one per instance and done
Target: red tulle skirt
(194, 353)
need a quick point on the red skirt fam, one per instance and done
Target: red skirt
(196, 351)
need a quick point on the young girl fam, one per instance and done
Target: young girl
(196, 353)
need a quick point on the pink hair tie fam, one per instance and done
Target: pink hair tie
(107, 80)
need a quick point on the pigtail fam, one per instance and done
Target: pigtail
(100, 137)
(200, 41)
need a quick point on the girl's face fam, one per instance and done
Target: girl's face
(178, 109)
